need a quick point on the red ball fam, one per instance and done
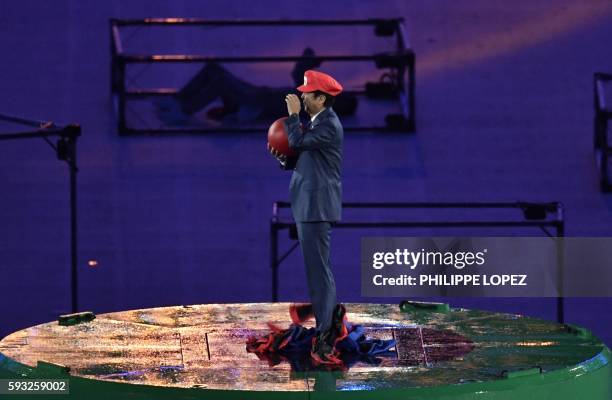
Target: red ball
(277, 137)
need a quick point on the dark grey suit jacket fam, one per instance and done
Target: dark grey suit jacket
(315, 188)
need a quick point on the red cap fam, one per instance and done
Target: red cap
(315, 80)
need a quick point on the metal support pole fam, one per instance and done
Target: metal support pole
(596, 119)
(116, 49)
(121, 65)
(560, 227)
(113, 54)
(603, 149)
(412, 91)
(274, 259)
(66, 150)
(73, 230)
(69, 154)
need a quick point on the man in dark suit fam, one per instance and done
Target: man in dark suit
(316, 197)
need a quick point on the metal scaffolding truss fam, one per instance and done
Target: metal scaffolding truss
(400, 61)
(540, 215)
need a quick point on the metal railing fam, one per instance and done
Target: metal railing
(539, 215)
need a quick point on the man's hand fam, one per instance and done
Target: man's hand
(293, 104)
(280, 157)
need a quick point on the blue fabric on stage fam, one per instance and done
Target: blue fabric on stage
(357, 343)
(294, 344)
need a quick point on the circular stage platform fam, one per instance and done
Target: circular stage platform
(198, 351)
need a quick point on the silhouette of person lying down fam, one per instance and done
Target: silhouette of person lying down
(241, 100)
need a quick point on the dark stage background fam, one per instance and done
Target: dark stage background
(504, 113)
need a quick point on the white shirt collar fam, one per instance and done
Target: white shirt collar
(316, 115)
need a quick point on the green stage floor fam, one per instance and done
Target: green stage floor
(198, 351)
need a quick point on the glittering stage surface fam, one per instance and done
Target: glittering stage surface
(204, 346)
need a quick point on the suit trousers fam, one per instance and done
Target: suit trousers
(315, 238)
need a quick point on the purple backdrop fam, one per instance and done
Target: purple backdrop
(504, 113)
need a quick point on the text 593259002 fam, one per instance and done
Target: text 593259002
(34, 386)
